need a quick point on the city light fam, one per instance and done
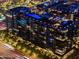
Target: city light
(39, 29)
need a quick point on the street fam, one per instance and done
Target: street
(7, 51)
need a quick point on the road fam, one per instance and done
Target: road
(7, 51)
(3, 26)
